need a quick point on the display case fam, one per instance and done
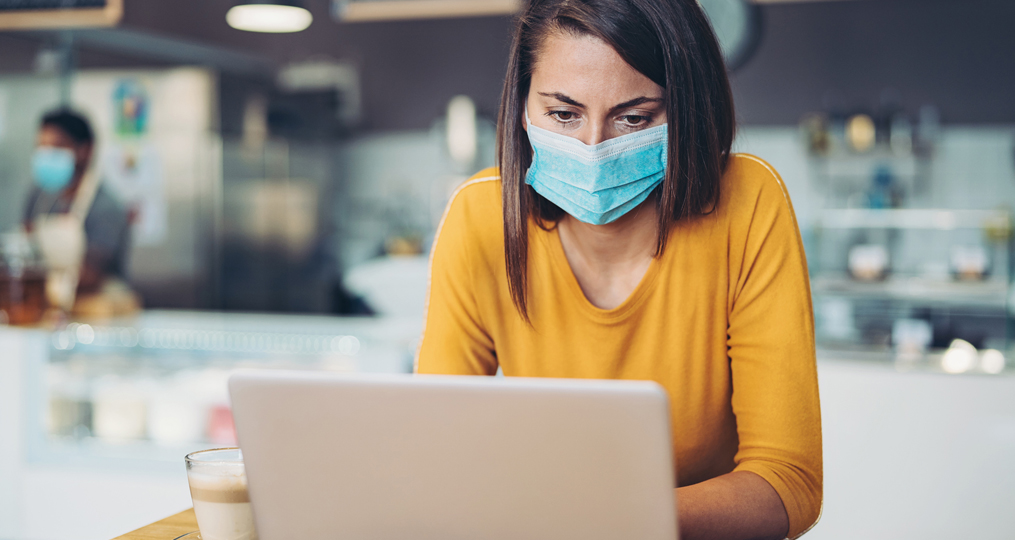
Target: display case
(894, 278)
(148, 390)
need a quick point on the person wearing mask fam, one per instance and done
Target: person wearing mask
(621, 238)
(81, 230)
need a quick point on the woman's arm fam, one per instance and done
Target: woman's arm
(734, 506)
(454, 339)
(771, 349)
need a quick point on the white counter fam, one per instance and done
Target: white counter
(907, 454)
(915, 454)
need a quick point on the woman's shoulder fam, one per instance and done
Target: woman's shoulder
(482, 189)
(478, 198)
(751, 189)
(474, 213)
(749, 176)
(754, 201)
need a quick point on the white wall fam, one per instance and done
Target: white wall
(179, 139)
(22, 101)
(974, 167)
(397, 183)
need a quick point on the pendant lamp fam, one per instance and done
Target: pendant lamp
(272, 16)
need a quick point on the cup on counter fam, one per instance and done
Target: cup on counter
(119, 407)
(218, 487)
(178, 410)
(969, 263)
(22, 281)
(868, 262)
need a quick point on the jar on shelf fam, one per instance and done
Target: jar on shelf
(22, 281)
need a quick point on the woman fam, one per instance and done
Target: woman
(620, 238)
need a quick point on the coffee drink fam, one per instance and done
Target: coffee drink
(219, 491)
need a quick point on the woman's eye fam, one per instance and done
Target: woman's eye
(563, 116)
(633, 120)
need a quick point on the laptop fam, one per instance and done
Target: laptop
(417, 457)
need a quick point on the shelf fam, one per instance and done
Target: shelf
(865, 165)
(94, 453)
(932, 361)
(991, 294)
(930, 218)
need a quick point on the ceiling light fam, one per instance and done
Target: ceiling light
(277, 16)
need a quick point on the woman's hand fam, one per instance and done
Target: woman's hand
(734, 506)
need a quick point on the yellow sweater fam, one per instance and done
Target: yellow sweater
(722, 320)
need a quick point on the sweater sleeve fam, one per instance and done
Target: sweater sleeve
(772, 352)
(454, 339)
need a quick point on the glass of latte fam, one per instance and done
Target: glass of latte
(218, 486)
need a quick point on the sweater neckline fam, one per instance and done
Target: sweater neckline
(628, 306)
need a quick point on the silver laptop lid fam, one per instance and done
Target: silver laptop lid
(454, 458)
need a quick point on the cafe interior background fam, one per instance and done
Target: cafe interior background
(289, 185)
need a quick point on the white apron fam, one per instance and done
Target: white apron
(62, 243)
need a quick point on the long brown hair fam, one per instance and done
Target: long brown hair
(669, 41)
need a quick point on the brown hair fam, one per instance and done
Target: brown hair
(669, 41)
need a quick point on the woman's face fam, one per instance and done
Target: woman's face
(583, 89)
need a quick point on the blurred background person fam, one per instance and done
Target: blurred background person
(81, 230)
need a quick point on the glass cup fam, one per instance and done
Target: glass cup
(218, 487)
(22, 281)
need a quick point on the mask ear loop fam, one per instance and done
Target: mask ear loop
(528, 129)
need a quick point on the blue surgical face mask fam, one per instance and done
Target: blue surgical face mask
(597, 184)
(52, 168)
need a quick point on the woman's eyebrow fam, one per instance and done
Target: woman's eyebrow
(561, 97)
(630, 103)
(636, 101)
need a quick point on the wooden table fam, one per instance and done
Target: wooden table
(166, 529)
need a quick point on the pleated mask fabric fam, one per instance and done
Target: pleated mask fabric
(597, 184)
